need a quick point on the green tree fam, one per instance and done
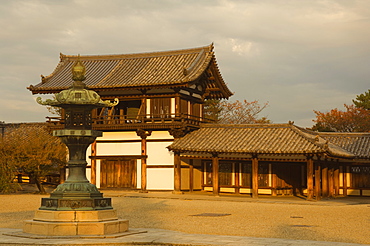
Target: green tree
(355, 118)
(34, 151)
(363, 100)
(212, 109)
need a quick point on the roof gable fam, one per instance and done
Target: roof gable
(169, 69)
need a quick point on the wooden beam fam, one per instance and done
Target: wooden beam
(177, 173)
(254, 177)
(310, 168)
(215, 175)
(117, 157)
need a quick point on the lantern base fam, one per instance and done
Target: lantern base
(73, 223)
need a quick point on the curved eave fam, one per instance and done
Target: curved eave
(247, 152)
(204, 60)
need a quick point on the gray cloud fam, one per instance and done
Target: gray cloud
(297, 55)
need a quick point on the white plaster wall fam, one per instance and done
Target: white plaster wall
(158, 154)
(118, 136)
(118, 149)
(160, 179)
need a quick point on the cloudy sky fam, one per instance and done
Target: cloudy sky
(297, 55)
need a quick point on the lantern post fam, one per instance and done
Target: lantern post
(76, 207)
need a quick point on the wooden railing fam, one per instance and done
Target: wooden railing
(124, 121)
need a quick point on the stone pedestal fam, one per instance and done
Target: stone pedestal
(73, 223)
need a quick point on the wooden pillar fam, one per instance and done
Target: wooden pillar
(331, 181)
(324, 181)
(177, 173)
(345, 184)
(318, 181)
(143, 109)
(273, 181)
(143, 166)
(93, 163)
(215, 175)
(254, 176)
(310, 168)
(177, 106)
(191, 175)
(336, 180)
(143, 134)
(237, 177)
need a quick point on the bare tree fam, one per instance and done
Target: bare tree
(237, 112)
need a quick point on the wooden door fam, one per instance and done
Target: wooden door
(118, 174)
(288, 176)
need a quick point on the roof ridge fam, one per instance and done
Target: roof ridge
(264, 125)
(344, 133)
(208, 48)
(325, 144)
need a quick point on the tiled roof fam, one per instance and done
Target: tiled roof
(356, 143)
(271, 139)
(143, 71)
(243, 139)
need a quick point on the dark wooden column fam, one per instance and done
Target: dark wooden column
(254, 176)
(310, 168)
(318, 181)
(237, 177)
(177, 173)
(93, 163)
(345, 184)
(331, 180)
(336, 180)
(324, 181)
(177, 106)
(215, 174)
(177, 133)
(191, 175)
(143, 134)
(143, 108)
(273, 177)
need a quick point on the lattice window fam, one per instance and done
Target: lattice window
(360, 176)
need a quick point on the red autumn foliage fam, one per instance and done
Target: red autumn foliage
(353, 119)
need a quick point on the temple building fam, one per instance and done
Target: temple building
(161, 96)
(157, 137)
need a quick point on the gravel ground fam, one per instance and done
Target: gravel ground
(321, 221)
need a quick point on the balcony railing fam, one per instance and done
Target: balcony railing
(152, 121)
